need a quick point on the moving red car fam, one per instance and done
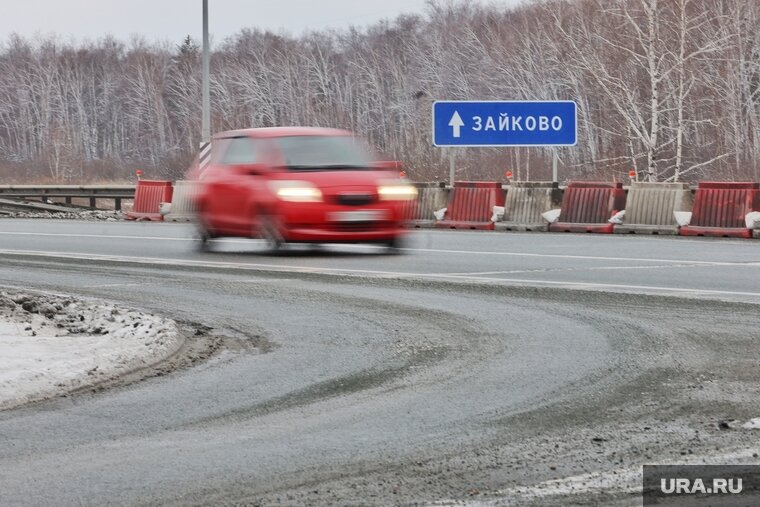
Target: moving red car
(300, 185)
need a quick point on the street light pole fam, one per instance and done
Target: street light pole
(206, 101)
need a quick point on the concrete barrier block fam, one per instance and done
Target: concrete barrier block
(650, 207)
(430, 197)
(525, 202)
(183, 208)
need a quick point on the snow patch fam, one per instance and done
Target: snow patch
(624, 480)
(55, 344)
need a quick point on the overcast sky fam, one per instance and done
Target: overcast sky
(172, 20)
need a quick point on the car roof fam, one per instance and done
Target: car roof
(269, 132)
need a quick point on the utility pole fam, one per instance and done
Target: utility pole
(206, 100)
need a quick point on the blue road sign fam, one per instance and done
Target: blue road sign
(504, 123)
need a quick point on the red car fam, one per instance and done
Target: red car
(300, 185)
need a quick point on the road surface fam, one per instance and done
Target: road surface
(476, 368)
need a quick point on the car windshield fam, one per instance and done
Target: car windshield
(323, 153)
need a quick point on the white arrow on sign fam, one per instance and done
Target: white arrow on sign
(456, 123)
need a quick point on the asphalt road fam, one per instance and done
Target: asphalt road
(477, 368)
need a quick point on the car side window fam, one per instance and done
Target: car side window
(241, 150)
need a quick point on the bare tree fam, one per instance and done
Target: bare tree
(668, 87)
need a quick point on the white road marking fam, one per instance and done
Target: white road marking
(264, 280)
(425, 250)
(594, 285)
(588, 257)
(570, 238)
(103, 285)
(97, 236)
(565, 270)
(382, 274)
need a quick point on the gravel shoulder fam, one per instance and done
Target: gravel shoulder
(53, 345)
(74, 214)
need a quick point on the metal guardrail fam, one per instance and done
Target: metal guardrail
(46, 193)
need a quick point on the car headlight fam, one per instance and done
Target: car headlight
(396, 192)
(297, 191)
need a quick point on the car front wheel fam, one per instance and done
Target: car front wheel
(395, 244)
(270, 233)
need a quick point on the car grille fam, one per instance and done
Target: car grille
(354, 226)
(354, 199)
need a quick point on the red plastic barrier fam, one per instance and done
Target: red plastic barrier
(411, 210)
(148, 195)
(471, 205)
(587, 205)
(720, 207)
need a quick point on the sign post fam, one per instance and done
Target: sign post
(555, 159)
(452, 167)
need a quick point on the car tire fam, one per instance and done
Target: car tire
(204, 238)
(270, 233)
(395, 244)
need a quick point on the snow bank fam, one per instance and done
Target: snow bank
(51, 345)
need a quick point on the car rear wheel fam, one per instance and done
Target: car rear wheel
(204, 238)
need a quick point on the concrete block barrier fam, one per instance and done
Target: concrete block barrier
(430, 197)
(525, 202)
(470, 205)
(148, 196)
(720, 208)
(587, 205)
(183, 208)
(649, 208)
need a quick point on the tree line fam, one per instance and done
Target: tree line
(668, 88)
